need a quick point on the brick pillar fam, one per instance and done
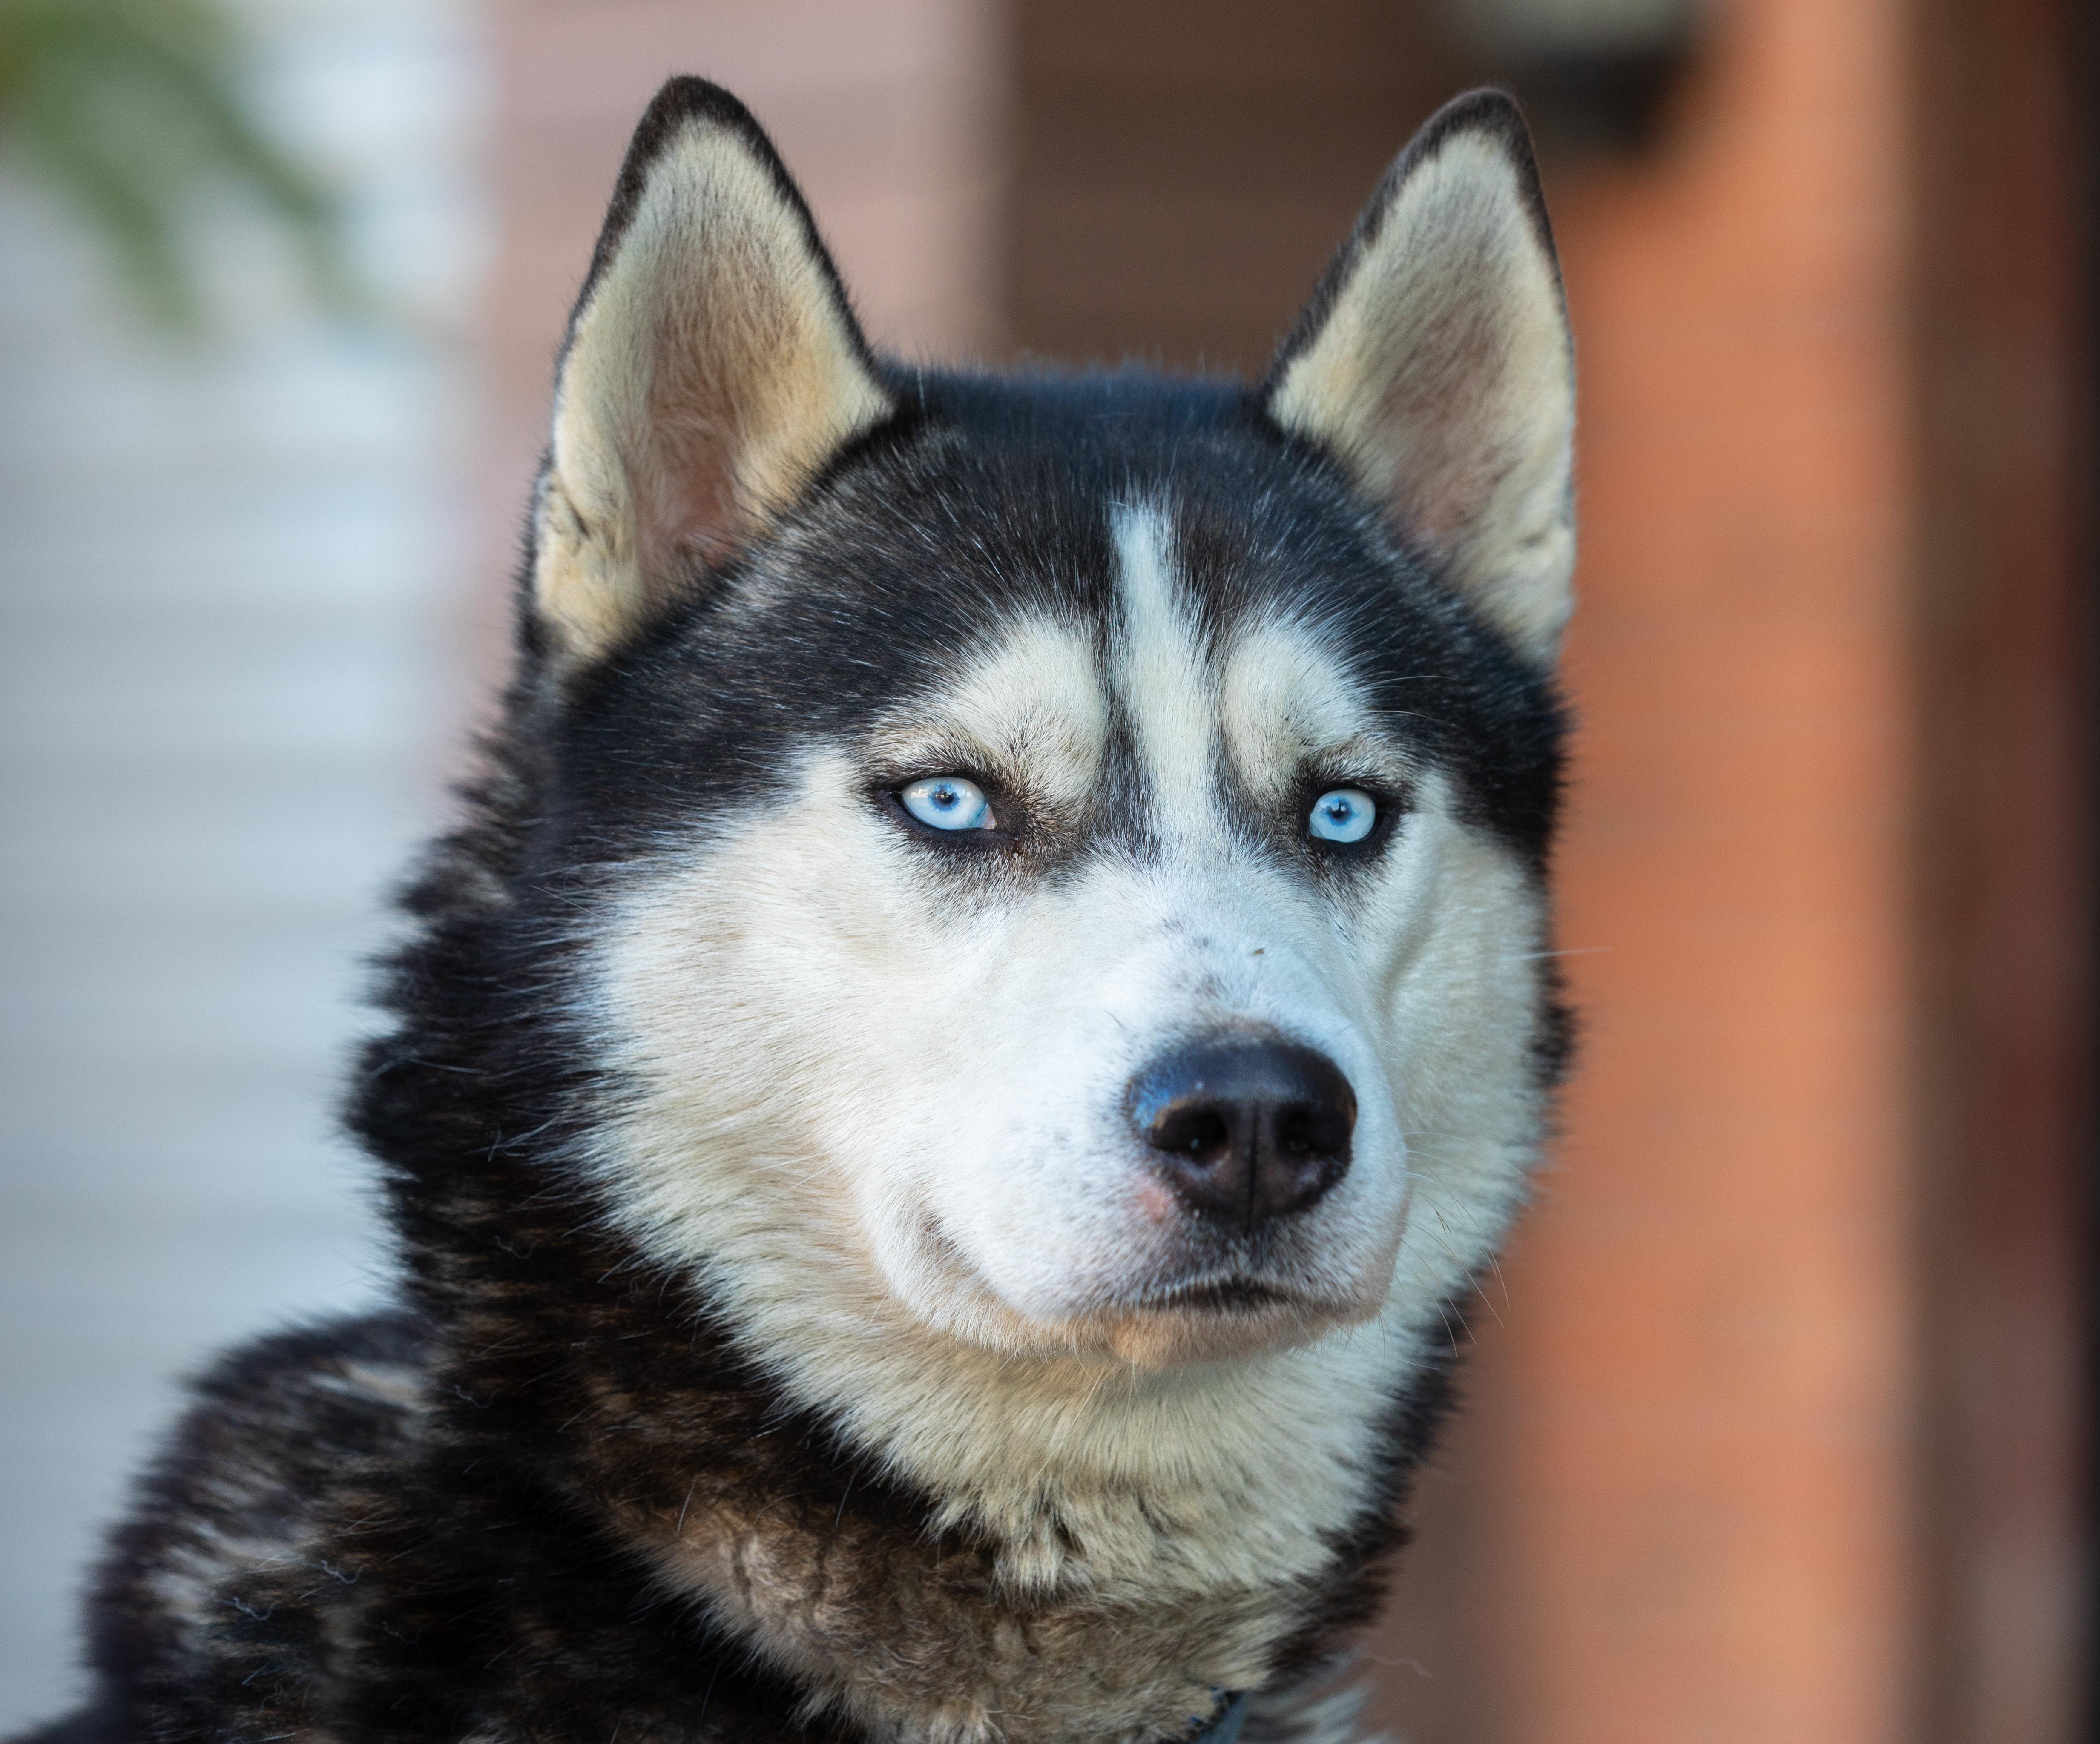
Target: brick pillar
(1782, 1441)
(1702, 1421)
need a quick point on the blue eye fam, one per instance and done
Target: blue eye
(948, 802)
(1342, 814)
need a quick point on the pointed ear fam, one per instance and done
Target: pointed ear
(712, 366)
(1435, 364)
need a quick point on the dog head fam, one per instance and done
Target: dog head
(1064, 856)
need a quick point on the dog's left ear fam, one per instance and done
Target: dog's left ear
(712, 369)
(1435, 364)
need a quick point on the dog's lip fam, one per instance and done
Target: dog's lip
(1234, 1294)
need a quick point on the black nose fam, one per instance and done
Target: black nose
(1245, 1129)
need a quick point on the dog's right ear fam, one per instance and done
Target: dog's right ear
(712, 366)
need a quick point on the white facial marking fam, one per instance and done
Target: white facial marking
(1161, 679)
(1032, 707)
(1287, 700)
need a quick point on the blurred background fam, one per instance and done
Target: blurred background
(1778, 1426)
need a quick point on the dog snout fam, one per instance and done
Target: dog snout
(1245, 1130)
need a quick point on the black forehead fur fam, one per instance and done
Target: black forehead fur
(987, 498)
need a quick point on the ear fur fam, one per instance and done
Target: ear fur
(712, 366)
(1435, 362)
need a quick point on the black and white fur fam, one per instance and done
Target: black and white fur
(795, 1335)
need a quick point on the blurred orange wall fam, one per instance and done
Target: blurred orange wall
(1703, 1418)
(1787, 1443)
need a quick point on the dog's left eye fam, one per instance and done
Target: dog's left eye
(1341, 814)
(948, 802)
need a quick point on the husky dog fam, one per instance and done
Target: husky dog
(993, 990)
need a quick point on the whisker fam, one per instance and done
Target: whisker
(1457, 1261)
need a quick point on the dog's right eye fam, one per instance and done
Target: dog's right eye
(1341, 815)
(948, 802)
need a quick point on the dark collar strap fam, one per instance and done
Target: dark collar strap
(1226, 1728)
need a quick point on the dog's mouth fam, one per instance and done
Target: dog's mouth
(1212, 1308)
(1214, 1319)
(1222, 1295)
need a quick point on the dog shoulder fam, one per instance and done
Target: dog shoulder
(212, 1584)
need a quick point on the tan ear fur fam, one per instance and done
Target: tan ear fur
(1435, 364)
(713, 367)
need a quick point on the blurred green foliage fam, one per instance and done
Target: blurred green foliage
(133, 111)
